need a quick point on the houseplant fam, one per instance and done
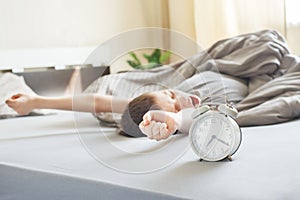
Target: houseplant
(155, 59)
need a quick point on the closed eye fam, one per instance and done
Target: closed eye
(174, 97)
(176, 109)
(172, 94)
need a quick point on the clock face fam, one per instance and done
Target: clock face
(212, 136)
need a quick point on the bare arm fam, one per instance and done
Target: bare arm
(23, 103)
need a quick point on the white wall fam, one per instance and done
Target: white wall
(65, 23)
(38, 32)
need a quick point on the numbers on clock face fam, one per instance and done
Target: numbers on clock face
(213, 137)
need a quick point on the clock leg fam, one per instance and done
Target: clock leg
(229, 158)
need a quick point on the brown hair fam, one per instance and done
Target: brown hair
(134, 112)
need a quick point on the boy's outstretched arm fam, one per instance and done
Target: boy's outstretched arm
(24, 103)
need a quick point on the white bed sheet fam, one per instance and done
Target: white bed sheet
(69, 156)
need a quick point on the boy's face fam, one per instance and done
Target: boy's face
(174, 100)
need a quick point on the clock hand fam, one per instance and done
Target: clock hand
(211, 139)
(222, 141)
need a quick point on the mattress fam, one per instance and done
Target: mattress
(68, 155)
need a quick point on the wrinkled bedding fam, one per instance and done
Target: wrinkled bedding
(255, 71)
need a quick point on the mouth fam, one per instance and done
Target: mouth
(195, 100)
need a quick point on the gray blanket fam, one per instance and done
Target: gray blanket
(255, 71)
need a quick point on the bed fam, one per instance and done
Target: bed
(59, 156)
(73, 155)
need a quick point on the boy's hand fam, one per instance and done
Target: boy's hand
(21, 103)
(158, 124)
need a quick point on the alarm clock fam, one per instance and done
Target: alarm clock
(214, 133)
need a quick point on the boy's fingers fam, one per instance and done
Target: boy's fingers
(16, 96)
(164, 132)
(146, 119)
(148, 129)
(9, 102)
(12, 98)
(145, 122)
(156, 130)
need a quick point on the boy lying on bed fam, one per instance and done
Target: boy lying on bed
(157, 114)
(139, 111)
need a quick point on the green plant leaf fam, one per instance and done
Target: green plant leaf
(156, 55)
(155, 59)
(134, 56)
(164, 56)
(132, 63)
(147, 57)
